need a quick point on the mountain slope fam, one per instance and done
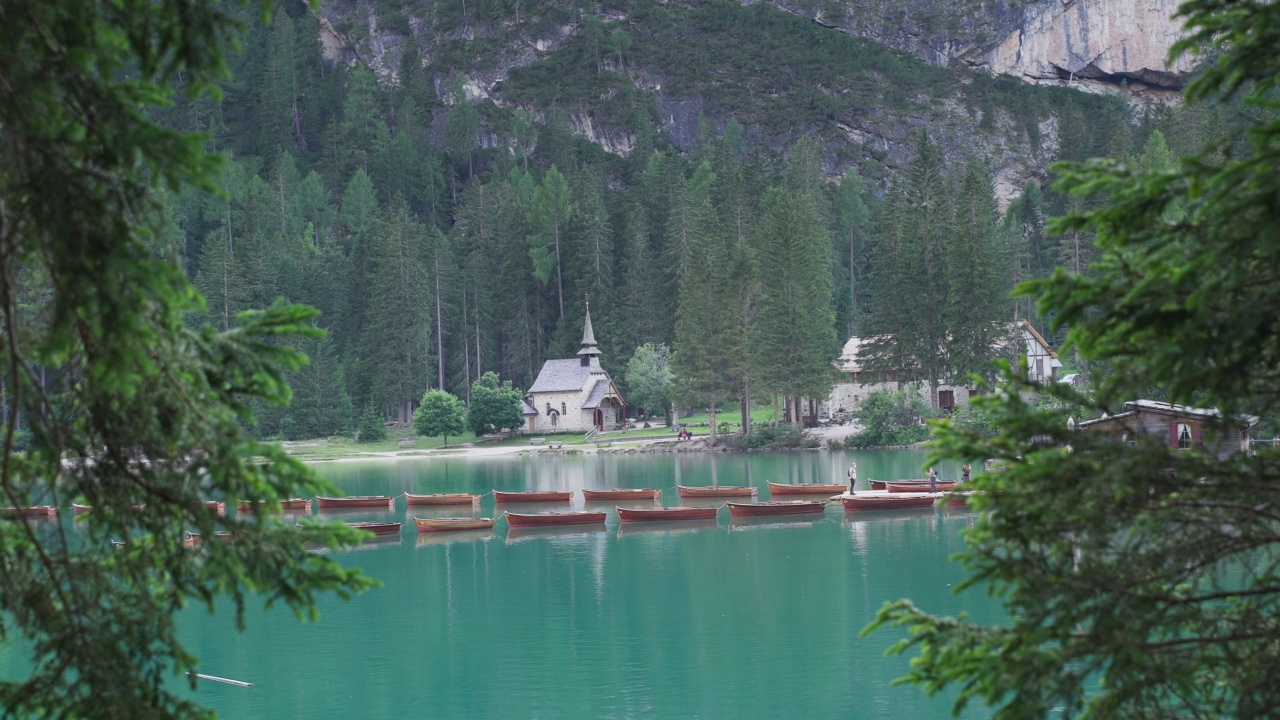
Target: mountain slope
(635, 70)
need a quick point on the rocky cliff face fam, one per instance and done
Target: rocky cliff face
(1092, 45)
(1098, 42)
(869, 120)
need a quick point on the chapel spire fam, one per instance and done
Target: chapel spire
(590, 354)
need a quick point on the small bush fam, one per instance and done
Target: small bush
(892, 418)
(774, 437)
(373, 426)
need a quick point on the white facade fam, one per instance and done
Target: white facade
(847, 396)
(565, 411)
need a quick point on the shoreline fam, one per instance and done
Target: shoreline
(612, 445)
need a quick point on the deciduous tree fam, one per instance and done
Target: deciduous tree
(494, 406)
(441, 414)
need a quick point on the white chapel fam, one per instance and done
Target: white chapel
(574, 394)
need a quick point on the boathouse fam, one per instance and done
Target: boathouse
(1181, 426)
(575, 394)
(1019, 338)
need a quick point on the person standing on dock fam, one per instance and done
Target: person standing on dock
(853, 476)
(964, 478)
(933, 480)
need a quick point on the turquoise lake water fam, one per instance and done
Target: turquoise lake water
(716, 620)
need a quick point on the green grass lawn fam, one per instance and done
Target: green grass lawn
(731, 415)
(335, 448)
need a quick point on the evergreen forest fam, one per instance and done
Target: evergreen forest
(443, 236)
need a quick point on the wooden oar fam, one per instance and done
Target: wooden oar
(214, 678)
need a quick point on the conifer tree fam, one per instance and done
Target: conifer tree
(853, 225)
(703, 322)
(439, 275)
(976, 283)
(218, 280)
(795, 340)
(354, 138)
(594, 249)
(396, 346)
(356, 229)
(914, 239)
(638, 275)
(743, 288)
(1136, 576)
(880, 354)
(552, 208)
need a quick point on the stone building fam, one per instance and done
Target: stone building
(1182, 427)
(1021, 338)
(574, 394)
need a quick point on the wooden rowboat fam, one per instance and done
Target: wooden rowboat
(716, 491)
(216, 506)
(880, 484)
(30, 511)
(79, 509)
(897, 487)
(898, 501)
(959, 499)
(554, 518)
(442, 499)
(288, 504)
(817, 489)
(451, 524)
(377, 528)
(355, 501)
(622, 494)
(532, 496)
(627, 515)
(790, 507)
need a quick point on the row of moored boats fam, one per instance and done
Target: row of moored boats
(885, 495)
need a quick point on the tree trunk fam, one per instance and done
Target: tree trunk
(744, 406)
(466, 351)
(712, 411)
(559, 279)
(439, 326)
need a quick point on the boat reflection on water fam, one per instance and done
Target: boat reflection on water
(703, 502)
(425, 539)
(739, 524)
(553, 532)
(373, 543)
(666, 528)
(347, 515)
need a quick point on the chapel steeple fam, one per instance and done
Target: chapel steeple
(589, 354)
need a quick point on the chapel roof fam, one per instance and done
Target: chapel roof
(598, 391)
(562, 376)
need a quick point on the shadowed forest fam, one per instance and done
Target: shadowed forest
(443, 237)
